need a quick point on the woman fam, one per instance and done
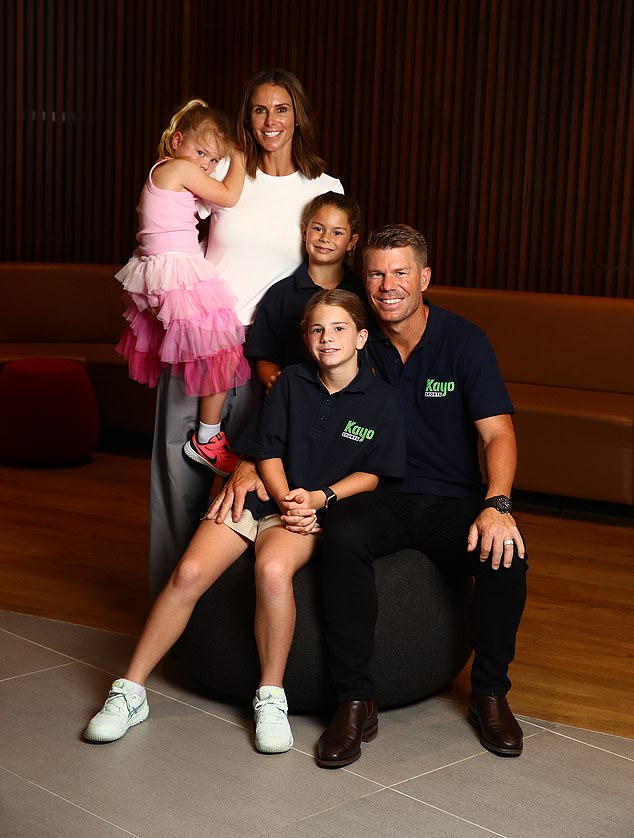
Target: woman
(252, 245)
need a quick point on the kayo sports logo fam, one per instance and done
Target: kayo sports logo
(438, 389)
(356, 432)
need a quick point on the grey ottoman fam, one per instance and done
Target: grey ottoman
(422, 634)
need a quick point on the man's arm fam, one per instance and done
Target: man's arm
(491, 527)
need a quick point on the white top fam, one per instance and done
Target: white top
(258, 241)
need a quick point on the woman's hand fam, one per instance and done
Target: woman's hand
(231, 497)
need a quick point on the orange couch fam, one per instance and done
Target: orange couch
(568, 362)
(74, 311)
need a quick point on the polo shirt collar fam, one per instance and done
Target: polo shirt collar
(435, 330)
(303, 280)
(359, 383)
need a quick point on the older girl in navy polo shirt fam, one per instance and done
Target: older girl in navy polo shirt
(324, 432)
(330, 226)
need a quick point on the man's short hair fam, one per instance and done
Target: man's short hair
(398, 235)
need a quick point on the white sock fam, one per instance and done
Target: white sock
(137, 689)
(278, 692)
(205, 432)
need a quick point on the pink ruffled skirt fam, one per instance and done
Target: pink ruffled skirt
(195, 331)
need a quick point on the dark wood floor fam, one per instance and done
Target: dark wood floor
(74, 546)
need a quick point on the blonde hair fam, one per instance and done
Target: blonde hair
(197, 118)
(308, 163)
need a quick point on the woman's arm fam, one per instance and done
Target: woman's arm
(268, 372)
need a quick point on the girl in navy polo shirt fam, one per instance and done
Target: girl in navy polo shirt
(324, 432)
(330, 227)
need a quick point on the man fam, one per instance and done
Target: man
(452, 396)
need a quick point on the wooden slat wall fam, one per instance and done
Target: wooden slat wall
(87, 85)
(504, 129)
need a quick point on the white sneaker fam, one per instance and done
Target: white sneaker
(123, 708)
(272, 730)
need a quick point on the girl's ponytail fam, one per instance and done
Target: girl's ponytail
(188, 118)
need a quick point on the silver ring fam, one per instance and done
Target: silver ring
(509, 541)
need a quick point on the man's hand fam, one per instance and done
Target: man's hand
(299, 511)
(498, 536)
(231, 497)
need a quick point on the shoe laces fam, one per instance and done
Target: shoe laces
(216, 444)
(218, 438)
(270, 710)
(118, 701)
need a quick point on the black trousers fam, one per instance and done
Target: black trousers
(360, 528)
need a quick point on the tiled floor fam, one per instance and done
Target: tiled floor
(191, 769)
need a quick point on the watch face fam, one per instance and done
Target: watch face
(499, 502)
(503, 504)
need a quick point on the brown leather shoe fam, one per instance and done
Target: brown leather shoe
(499, 730)
(340, 743)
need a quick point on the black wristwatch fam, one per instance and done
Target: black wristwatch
(499, 502)
(331, 497)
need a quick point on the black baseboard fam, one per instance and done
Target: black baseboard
(568, 507)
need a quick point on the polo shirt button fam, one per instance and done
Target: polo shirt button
(322, 418)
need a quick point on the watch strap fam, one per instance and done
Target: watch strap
(331, 497)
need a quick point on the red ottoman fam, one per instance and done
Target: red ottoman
(48, 412)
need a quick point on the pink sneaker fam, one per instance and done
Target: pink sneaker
(215, 454)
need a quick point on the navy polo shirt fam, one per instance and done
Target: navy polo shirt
(450, 380)
(323, 437)
(275, 334)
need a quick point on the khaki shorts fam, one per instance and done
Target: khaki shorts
(248, 527)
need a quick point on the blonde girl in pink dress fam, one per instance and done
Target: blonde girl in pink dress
(180, 314)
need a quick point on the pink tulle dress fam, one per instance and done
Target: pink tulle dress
(196, 332)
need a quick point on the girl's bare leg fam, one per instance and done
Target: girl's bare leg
(211, 408)
(279, 554)
(211, 551)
